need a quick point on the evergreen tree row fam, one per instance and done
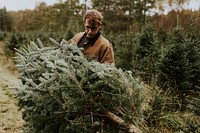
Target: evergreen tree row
(167, 62)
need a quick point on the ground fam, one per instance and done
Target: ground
(10, 116)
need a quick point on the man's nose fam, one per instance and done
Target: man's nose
(89, 30)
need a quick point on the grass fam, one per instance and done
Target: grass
(11, 119)
(10, 116)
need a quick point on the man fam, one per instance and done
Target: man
(95, 45)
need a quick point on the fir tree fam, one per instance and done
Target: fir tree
(179, 69)
(125, 51)
(63, 92)
(147, 55)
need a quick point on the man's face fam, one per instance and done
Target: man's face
(91, 29)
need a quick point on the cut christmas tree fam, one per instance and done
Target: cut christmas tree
(63, 92)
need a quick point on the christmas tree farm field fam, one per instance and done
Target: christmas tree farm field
(63, 92)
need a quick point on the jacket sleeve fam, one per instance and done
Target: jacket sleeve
(107, 54)
(76, 38)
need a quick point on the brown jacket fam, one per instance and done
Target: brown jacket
(102, 50)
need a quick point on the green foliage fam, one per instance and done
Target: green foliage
(124, 47)
(6, 20)
(139, 53)
(147, 55)
(11, 44)
(125, 12)
(17, 40)
(180, 67)
(193, 104)
(62, 91)
(193, 57)
(174, 65)
(164, 115)
(3, 35)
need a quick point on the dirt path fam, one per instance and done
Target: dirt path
(10, 117)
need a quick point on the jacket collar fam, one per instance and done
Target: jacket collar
(92, 41)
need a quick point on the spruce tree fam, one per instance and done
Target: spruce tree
(179, 69)
(193, 56)
(125, 47)
(147, 55)
(63, 92)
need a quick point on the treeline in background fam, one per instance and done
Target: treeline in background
(163, 50)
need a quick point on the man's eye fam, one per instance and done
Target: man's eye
(92, 28)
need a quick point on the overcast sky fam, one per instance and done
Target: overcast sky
(15, 5)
